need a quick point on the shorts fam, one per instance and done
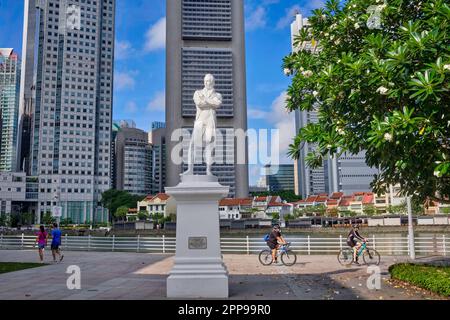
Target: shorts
(55, 246)
(41, 246)
(272, 245)
(352, 243)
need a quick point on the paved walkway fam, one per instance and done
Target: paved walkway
(130, 276)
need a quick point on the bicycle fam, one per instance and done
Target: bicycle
(288, 257)
(370, 256)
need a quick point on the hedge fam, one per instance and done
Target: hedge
(433, 278)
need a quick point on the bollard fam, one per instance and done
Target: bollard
(340, 242)
(21, 242)
(113, 238)
(89, 243)
(1, 241)
(65, 242)
(373, 241)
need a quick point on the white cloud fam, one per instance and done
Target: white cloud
(257, 19)
(288, 17)
(131, 107)
(158, 103)
(155, 37)
(125, 80)
(284, 121)
(292, 11)
(257, 114)
(123, 50)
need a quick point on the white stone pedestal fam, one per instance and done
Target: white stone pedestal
(199, 271)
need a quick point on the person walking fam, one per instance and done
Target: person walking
(41, 241)
(56, 243)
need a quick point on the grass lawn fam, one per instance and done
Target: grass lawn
(433, 278)
(17, 266)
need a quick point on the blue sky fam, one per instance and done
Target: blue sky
(140, 60)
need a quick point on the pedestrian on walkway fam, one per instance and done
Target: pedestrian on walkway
(41, 241)
(56, 243)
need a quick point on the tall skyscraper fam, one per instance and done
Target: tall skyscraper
(347, 173)
(9, 107)
(307, 180)
(68, 55)
(157, 138)
(207, 36)
(133, 159)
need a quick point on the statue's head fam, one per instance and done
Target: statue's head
(209, 81)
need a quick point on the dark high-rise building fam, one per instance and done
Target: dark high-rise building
(133, 161)
(157, 138)
(280, 177)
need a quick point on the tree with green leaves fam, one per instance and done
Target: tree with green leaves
(143, 215)
(48, 219)
(113, 199)
(382, 89)
(286, 195)
(397, 209)
(121, 213)
(369, 210)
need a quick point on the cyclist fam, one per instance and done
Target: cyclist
(355, 245)
(275, 239)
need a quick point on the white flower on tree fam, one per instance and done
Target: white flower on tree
(383, 90)
(388, 137)
(307, 73)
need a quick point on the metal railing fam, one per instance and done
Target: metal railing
(425, 246)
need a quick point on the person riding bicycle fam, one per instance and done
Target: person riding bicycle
(275, 239)
(355, 245)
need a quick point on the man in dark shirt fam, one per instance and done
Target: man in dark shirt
(355, 245)
(275, 239)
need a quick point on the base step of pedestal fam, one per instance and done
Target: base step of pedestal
(197, 287)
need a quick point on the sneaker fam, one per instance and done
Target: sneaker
(62, 257)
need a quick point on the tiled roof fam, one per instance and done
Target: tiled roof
(160, 196)
(261, 199)
(345, 201)
(337, 195)
(235, 202)
(311, 199)
(368, 198)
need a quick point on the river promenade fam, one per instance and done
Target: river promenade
(134, 276)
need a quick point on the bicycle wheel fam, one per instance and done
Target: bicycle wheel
(265, 257)
(289, 258)
(345, 257)
(371, 257)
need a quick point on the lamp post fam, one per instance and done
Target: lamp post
(412, 250)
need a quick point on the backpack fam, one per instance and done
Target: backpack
(266, 237)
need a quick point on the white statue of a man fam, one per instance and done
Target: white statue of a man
(207, 101)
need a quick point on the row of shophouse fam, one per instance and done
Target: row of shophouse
(265, 207)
